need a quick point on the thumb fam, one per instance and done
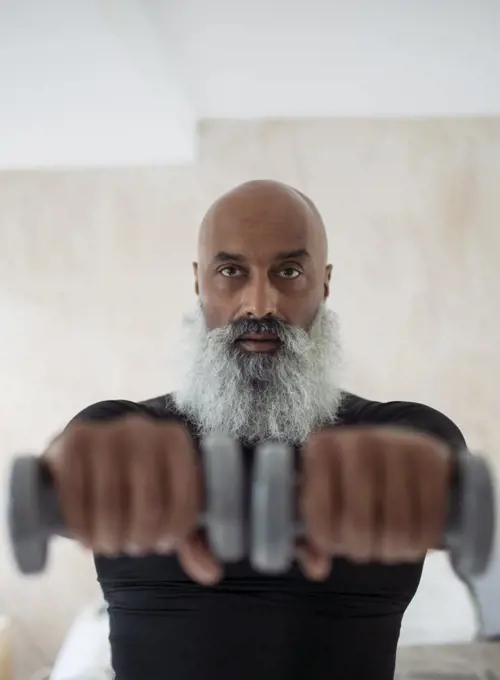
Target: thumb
(198, 562)
(313, 564)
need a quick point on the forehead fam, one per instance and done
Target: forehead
(258, 226)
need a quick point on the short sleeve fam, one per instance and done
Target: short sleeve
(108, 410)
(427, 420)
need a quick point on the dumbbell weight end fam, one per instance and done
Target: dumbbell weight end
(33, 513)
(470, 528)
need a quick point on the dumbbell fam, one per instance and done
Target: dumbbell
(34, 516)
(256, 513)
(275, 526)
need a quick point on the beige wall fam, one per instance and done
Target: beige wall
(95, 275)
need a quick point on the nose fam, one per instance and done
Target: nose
(260, 298)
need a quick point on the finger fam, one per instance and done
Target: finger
(396, 504)
(314, 564)
(414, 546)
(181, 481)
(198, 562)
(109, 501)
(320, 500)
(72, 480)
(360, 491)
(144, 482)
(432, 489)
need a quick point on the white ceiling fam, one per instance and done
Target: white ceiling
(121, 82)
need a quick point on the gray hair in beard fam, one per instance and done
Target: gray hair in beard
(259, 396)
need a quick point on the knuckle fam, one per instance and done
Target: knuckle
(365, 438)
(313, 452)
(134, 427)
(177, 436)
(80, 443)
(318, 439)
(79, 433)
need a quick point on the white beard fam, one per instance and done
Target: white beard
(257, 396)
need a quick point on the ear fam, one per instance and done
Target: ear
(195, 272)
(328, 276)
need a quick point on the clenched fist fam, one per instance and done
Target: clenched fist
(372, 495)
(132, 486)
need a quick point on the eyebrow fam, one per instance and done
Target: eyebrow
(224, 256)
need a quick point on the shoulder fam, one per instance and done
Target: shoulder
(420, 417)
(159, 408)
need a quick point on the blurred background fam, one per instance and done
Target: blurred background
(122, 120)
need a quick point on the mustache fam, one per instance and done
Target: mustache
(269, 325)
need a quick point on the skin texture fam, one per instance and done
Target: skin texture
(367, 494)
(262, 252)
(372, 494)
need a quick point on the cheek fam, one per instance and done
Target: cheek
(302, 313)
(219, 301)
(215, 315)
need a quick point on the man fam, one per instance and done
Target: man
(263, 362)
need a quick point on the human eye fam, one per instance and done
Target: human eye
(290, 273)
(229, 271)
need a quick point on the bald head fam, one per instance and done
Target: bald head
(262, 251)
(264, 201)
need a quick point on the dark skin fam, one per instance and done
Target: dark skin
(262, 252)
(367, 494)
